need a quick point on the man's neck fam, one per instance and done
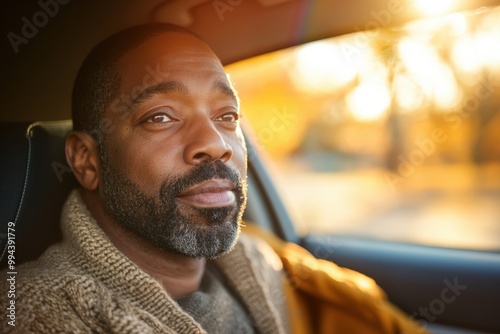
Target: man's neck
(180, 275)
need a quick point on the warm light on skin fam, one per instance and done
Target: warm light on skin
(434, 7)
(369, 101)
(321, 68)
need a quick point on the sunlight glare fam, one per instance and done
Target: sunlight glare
(464, 55)
(321, 67)
(488, 46)
(458, 24)
(369, 101)
(434, 7)
(409, 96)
(473, 53)
(435, 77)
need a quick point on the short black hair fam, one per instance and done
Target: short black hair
(98, 81)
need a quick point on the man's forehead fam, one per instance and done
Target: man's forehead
(160, 59)
(171, 47)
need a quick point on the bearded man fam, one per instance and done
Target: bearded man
(151, 239)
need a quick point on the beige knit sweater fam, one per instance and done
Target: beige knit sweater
(85, 285)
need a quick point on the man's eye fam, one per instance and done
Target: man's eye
(159, 118)
(230, 117)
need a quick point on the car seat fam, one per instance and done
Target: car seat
(35, 181)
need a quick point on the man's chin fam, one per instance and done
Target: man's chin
(208, 241)
(211, 216)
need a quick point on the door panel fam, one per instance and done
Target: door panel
(416, 278)
(434, 285)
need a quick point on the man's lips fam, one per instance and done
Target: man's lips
(210, 194)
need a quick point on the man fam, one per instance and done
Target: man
(151, 239)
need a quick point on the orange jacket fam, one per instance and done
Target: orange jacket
(325, 298)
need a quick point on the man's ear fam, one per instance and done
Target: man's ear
(83, 158)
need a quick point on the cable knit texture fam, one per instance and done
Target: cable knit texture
(215, 307)
(85, 285)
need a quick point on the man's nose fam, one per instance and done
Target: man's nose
(206, 143)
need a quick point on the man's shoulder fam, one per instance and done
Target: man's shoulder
(44, 293)
(46, 276)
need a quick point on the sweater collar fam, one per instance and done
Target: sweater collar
(93, 252)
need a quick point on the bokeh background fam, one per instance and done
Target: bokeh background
(391, 133)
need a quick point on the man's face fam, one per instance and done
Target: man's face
(174, 161)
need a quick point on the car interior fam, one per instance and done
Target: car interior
(42, 53)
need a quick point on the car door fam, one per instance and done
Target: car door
(446, 290)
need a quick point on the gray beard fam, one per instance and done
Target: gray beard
(160, 220)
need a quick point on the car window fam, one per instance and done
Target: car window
(390, 134)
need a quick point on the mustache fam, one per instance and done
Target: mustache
(204, 171)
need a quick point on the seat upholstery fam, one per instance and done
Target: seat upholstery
(35, 180)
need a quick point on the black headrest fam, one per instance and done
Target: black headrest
(35, 180)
